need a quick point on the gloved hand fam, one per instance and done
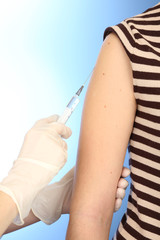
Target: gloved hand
(41, 157)
(54, 199)
(50, 201)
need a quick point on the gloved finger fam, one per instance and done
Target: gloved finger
(125, 172)
(53, 118)
(123, 183)
(61, 129)
(64, 144)
(50, 119)
(120, 193)
(118, 204)
(52, 133)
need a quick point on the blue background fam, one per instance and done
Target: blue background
(47, 49)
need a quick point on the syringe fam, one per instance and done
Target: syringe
(72, 104)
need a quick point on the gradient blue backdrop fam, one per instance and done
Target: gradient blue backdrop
(47, 49)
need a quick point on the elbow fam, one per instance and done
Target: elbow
(94, 223)
(93, 213)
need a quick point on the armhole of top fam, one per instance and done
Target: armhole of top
(125, 35)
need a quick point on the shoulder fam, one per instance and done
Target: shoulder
(114, 61)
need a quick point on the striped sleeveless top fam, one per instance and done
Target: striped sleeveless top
(140, 36)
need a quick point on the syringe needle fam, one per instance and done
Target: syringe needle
(81, 88)
(72, 104)
(88, 77)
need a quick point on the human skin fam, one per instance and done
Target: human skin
(124, 114)
(17, 192)
(31, 218)
(107, 123)
(8, 210)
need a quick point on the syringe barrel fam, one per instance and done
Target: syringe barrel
(73, 102)
(69, 109)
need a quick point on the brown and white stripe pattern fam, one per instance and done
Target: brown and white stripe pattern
(140, 36)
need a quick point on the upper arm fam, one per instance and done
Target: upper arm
(107, 122)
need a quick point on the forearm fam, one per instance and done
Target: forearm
(8, 211)
(30, 219)
(52, 191)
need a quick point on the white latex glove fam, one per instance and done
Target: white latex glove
(42, 155)
(50, 202)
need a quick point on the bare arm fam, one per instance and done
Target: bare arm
(8, 211)
(107, 123)
(27, 221)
